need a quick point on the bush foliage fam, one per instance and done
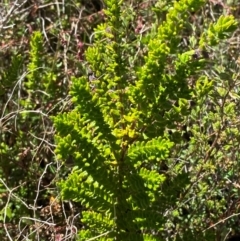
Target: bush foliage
(119, 131)
(119, 120)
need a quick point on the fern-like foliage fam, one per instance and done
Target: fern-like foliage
(116, 134)
(36, 61)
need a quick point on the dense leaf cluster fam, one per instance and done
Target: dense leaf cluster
(118, 135)
(119, 120)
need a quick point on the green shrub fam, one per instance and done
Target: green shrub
(125, 130)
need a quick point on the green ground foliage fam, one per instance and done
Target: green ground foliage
(119, 120)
